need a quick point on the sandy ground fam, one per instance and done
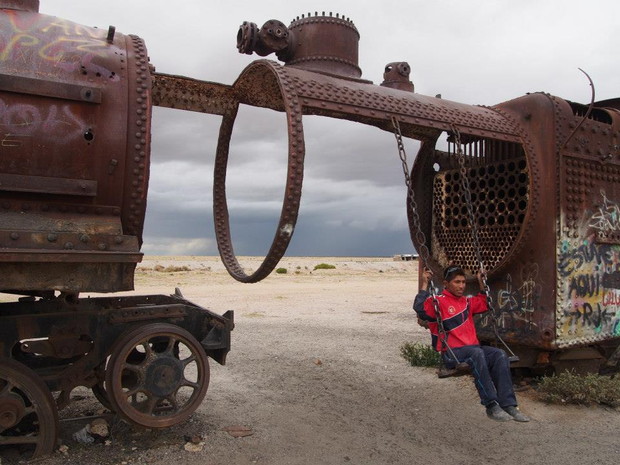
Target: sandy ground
(315, 372)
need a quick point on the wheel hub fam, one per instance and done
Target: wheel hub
(12, 409)
(163, 376)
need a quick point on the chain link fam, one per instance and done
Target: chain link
(420, 237)
(460, 156)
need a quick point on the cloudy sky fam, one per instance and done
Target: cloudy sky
(471, 51)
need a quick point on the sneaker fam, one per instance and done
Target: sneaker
(495, 412)
(516, 414)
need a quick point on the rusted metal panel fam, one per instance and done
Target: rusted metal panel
(68, 272)
(75, 111)
(46, 185)
(588, 246)
(134, 172)
(46, 88)
(263, 82)
(68, 256)
(133, 314)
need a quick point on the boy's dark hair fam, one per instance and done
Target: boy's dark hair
(452, 272)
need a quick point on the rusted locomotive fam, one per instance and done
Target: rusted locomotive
(527, 188)
(535, 179)
(75, 109)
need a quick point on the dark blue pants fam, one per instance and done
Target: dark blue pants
(491, 370)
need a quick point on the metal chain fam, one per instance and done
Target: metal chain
(421, 237)
(460, 156)
(474, 233)
(415, 217)
(423, 250)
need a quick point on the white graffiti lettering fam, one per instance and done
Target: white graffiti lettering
(607, 219)
(25, 120)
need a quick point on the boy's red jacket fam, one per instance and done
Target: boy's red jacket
(457, 315)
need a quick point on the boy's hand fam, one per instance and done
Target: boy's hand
(427, 275)
(481, 275)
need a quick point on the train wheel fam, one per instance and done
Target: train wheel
(157, 375)
(99, 389)
(28, 414)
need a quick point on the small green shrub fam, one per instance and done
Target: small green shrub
(420, 355)
(570, 388)
(281, 271)
(324, 266)
(176, 269)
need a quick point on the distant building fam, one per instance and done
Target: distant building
(405, 256)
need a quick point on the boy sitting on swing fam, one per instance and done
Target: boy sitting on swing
(490, 366)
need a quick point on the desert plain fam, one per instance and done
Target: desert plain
(315, 376)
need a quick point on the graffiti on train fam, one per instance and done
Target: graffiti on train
(589, 286)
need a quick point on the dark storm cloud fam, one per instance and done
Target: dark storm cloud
(337, 149)
(183, 136)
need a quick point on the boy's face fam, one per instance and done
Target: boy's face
(456, 285)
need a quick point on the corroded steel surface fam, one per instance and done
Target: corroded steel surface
(550, 239)
(75, 111)
(298, 92)
(396, 76)
(292, 196)
(64, 343)
(75, 129)
(25, 5)
(73, 173)
(189, 94)
(543, 175)
(321, 43)
(28, 416)
(157, 375)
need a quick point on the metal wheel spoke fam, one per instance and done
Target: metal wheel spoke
(148, 406)
(6, 389)
(29, 410)
(133, 392)
(132, 367)
(170, 347)
(190, 384)
(173, 401)
(148, 350)
(188, 360)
